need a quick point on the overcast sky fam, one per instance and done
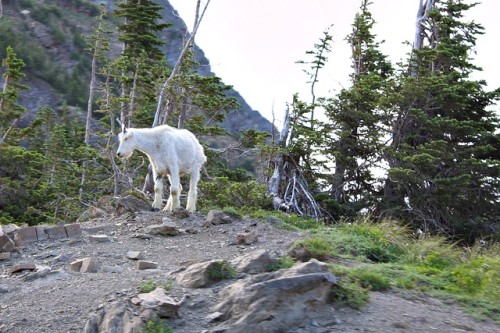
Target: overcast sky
(254, 44)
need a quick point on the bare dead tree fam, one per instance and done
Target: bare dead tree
(287, 185)
(178, 64)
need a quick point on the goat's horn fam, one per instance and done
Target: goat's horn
(121, 125)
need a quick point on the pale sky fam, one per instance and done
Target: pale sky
(254, 44)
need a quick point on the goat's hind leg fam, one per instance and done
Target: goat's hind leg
(158, 192)
(193, 192)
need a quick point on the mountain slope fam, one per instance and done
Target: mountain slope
(48, 36)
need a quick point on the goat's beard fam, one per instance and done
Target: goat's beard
(126, 156)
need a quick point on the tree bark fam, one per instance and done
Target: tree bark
(177, 66)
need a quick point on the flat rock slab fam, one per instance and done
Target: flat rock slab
(22, 267)
(142, 265)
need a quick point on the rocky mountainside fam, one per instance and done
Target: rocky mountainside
(209, 273)
(48, 36)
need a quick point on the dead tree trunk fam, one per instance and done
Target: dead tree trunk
(287, 186)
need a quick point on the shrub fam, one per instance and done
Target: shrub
(147, 286)
(372, 280)
(314, 247)
(220, 270)
(373, 241)
(282, 263)
(348, 293)
(225, 193)
(156, 326)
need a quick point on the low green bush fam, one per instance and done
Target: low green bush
(225, 193)
(221, 270)
(313, 247)
(156, 326)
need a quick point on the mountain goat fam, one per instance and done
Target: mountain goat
(172, 152)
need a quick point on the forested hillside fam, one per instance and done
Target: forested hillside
(417, 142)
(50, 38)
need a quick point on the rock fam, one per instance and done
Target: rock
(273, 302)
(116, 317)
(22, 267)
(85, 265)
(215, 217)
(56, 232)
(256, 262)
(247, 238)
(89, 265)
(200, 275)
(274, 220)
(4, 255)
(41, 271)
(134, 255)
(180, 213)
(25, 235)
(73, 230)
(215, 316)
(3, 289)
(142, 265)
(164, 306)
(141, 236)
(6, 244)
(100, 238)
(130, 204)
(8, 228)
(167, 228)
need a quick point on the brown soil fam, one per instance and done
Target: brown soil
(62, 301)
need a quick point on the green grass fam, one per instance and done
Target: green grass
(386, 255)
(389, 256)
(149, 286)
(283, 263)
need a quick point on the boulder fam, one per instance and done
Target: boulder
(256, 262)
(163, 305)
(203, 274)
(6, 244)
(247, 238)
(274, 302)
(215, 217)
(167, 228)
(116, 317)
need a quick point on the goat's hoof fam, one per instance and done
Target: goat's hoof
(154, 209)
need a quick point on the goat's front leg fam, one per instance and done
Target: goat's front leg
(158, 192)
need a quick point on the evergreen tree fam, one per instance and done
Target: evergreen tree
(354, 133)
(141, 51)
(444, 157)
(10, 110)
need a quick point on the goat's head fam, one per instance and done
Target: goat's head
(126, 145)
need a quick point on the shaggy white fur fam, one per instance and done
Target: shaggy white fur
(172, 152)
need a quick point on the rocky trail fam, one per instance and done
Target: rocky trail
(89, 279)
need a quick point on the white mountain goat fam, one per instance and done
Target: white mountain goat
(172, 152)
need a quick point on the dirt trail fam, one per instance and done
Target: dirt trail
(62, 301)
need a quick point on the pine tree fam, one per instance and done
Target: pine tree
(444, 157)
(141, 50)
(354, 129)
(10, 110)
